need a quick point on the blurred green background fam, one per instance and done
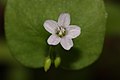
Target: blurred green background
(107, 67)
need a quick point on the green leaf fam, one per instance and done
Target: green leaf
(27, 37)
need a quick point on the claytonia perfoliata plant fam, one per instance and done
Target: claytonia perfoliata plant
(62, 32)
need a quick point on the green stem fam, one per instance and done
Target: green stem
(51, 53)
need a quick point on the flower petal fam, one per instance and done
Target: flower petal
(50, 26)
(64, 20)
(53, 40)
(73, 31)
(66, 43)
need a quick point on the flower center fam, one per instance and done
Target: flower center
(61, 31)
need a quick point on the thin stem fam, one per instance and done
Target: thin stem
(50, 48)
(51, 53)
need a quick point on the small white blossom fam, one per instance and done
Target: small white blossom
(62, 32)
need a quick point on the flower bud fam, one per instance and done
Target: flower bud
(47, 64)
(57, 61)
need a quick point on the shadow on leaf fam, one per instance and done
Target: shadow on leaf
(69, 57)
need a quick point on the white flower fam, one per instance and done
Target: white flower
(62, 32)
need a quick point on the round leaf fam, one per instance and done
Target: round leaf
(27, 37)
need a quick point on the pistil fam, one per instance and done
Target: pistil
(61, 31)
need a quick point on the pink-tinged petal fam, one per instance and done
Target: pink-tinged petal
(53, 40)
(73, 31)
(50, 26)
(66, 43)
(64, 19)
